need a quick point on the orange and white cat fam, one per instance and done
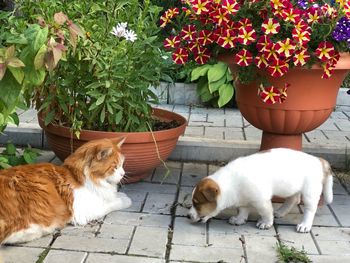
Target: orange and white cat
(37, 199)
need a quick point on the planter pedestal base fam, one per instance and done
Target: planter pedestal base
(272, 140)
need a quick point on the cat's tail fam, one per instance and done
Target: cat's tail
(327, 182)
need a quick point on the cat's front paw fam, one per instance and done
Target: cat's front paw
(125, 201)
(121, 195)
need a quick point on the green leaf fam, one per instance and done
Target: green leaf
(63, 105)
(4, 165)
(17, 73)
(40, 38)
(10, 149)
(49, 117)
(2, 121)
(100, 100)
(27, 157)
(214, 86)
(15, 63)
(225, 94)
(118, 117)
(2, 70)
(15, 118)
(36, 77)
(217, 71)
(40, 57)
(21, 40)
(10, 91)
(199, 72)
(103, 115)
(93, 106)
(203, 91)
(229, 76)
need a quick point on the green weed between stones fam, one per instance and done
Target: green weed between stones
(291, 255)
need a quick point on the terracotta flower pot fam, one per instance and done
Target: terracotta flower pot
(139, 148)
(310, 101)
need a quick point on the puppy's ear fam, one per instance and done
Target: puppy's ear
(210, 192)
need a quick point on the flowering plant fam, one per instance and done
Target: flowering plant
(274, 35)
(104, 82)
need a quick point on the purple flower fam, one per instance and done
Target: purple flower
(302, 3)
(342, 30)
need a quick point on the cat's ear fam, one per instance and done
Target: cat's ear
(119, 141)
(104, 153)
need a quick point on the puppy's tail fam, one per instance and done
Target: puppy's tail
(327, 182)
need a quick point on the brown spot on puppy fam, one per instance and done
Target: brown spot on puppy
(205, 197)
(327, 171)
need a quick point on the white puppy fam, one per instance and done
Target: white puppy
(253, 180)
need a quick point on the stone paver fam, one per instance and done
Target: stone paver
(261, 248)
(192, 173)
(20, 254)
(91, 244)
(59, 256)
(290, 237)
(205, 254)
(149, 241)
(103, 258)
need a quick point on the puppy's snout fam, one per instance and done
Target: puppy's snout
(188, 216)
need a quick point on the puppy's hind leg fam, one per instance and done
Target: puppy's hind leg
(265, 210)
(241, 217)
(287, 205)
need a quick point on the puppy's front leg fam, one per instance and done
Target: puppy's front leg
(241, 217)
(265, 210)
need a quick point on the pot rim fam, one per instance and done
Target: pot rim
(131, 137)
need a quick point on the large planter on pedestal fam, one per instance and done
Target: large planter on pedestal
(310, 101)
(141, 149)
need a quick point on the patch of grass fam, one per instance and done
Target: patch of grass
(291, 255)
(43, 255)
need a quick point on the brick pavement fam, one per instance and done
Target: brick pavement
(155, 229)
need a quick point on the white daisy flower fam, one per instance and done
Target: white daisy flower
(130, 35)
(118, 31)
(122, 25)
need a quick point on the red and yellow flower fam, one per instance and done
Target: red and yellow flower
(180, 56)
(172, 42)
(269, 95)
(285, 48)
(270, 26)
(200, 6)
(301, 57)
(325, 51)
(260, 61)
(188, 32)
(262, 43)
(202, 55)
(231, 6)
(243, 58)
(278, 68)
(246, 35)
(227, 39)
(205, 37)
